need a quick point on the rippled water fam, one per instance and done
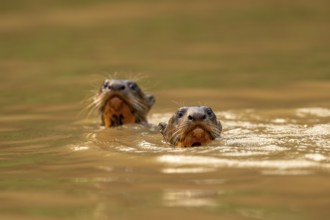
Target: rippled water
(295, 141)
(263, 66)
(268, 164)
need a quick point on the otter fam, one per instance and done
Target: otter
(122, 102)
(191, 126)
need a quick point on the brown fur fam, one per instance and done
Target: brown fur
(122, 102)
(191, 126)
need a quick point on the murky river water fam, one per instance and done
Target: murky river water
(263, 67)
(268, 164)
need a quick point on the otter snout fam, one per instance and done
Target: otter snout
(197, 116)
(117, 86)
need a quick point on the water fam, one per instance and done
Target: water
(268, 164)
(263, 66)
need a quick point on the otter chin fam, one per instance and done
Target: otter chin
(198, 136)
(122, 102)
(191, 126)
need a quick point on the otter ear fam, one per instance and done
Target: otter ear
(162, 126)
(220, 126)
(150, 99)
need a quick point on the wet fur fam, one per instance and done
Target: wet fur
(178, 130)
(135, 107)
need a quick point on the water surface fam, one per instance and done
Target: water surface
(268, 164)
(262, 66)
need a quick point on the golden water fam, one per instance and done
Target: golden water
(263, 66)
(270, 163)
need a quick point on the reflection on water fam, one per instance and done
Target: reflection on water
(269, 57)
(279, 164)
(319, 112)
(269, 143)
(287, 139)
(188, 170)
(264, 161)
(190, 198)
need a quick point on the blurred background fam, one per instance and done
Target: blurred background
(262, 65)
(244, 53)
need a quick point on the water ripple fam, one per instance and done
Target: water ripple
(294, 139)
(220, 162)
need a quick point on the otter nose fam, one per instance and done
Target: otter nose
(117, 86)
(197, 116)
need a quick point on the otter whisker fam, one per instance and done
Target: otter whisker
(91, 107)
(178, 132)
(214, 131)
(120, 99)
(139, 105)
(192, 126)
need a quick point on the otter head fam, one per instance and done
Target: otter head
(121, 102)
(191, 126)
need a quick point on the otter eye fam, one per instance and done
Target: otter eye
(179, 114)
(106, 84)
(209, 112)
(133, 87)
